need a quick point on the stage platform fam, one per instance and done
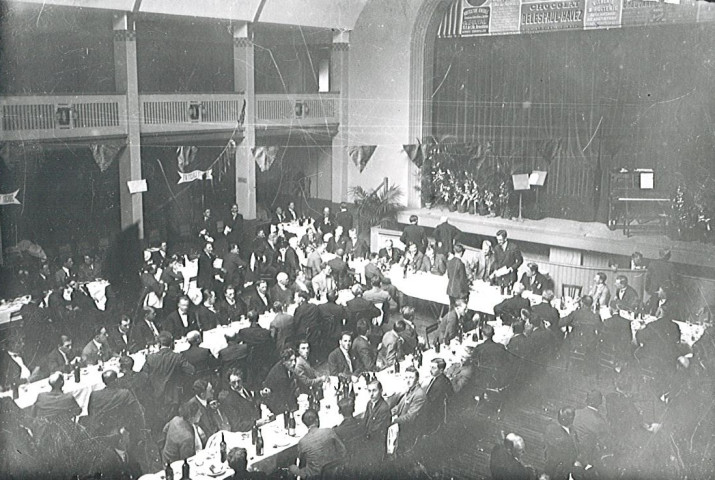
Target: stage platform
(569, 234)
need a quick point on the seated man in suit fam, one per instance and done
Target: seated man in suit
(237, 459)
(356, 247)
(340, 269)
(391, 346)
(406, 410)
(231, 307)
(135, 382)
(207, 315)
(280, 387)
(146, 331)
(281, 291)
(238, 404)
(258, 298)
(13, 369)
(533, 280)
(491, 362)
(362, 351)
(118, 460)
(510, 309)
(262, 348)
(121, 338)
(450, 324)
(180, 321)
(319, 447)
(625, 297)
(389, 253)
(233, 356)
(359, 307)
(340, 361)
(61, 359)
(324, 282)
(546, 312)
(113, 407)
(306, 375)
(206, 420)
(350, 431)
(282, 327)
(439, 391)
(55, 404)
(97, 350)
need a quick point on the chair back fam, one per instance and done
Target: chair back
(571, 291)
(430, 329)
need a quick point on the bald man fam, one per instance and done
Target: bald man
(55, 404)
(113, 407)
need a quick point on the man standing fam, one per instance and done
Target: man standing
(415, 234)
(319, 447)
(113, 407)
(362, 351)
(165, 369)
(234, 226)
(282, 326)
(279, 387)
(508, 256)
(205, 277)
(344, 218)
(234, 266)
(561, 445)
(406, 412)
(200, 358)
(592, 430)
(458, 285)
(445, 235)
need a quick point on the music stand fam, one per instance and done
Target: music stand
(521, 183)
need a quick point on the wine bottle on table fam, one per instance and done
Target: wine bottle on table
(77, 374)
(437, 346)
(285, 419)
(291, 424)
(168, 472)
(15, 390)
(254, 434)
(222, 448)
(185, 470)
(259, 444)
(397, 366)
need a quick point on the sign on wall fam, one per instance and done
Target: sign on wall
(550, 16)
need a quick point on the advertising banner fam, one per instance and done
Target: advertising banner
(552, 16)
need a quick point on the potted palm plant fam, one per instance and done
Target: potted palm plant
(377, 207)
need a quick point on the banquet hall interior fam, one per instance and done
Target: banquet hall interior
(233, 231)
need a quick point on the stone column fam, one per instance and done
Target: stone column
(339, 80)
(130, 167)
(243, 81)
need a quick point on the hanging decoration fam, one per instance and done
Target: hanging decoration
(415, 152)
(105, 154)
(360, 155)
(185, 156)
(195, 175)
(224, 159)
(265, 156)
(9, 198)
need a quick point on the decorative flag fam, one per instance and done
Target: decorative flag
(9, 198)
(185, 156)
(360, 155)
(242, 117)
(265, 156)
(195, 175)
(105, 154)
(416, 153)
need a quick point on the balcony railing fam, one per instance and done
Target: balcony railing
(52, 117)
(161, 113)
(62, 116)
(297, 110)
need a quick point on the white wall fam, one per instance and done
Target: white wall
(379, 90)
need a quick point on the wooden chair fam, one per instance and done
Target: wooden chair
(429, 329)
(572, 291)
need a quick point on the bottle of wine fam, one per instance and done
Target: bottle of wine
(168, 472)
(285, 419)
(254, 434)
(291, 424)
(185, 470)
(259, 444)
(222, 448)
(77, 374)
(15, 390)
(397, 366)
(437, 346)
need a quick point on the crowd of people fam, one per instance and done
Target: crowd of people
(167, 411)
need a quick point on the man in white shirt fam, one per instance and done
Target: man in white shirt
(340, 361)
(12, 366)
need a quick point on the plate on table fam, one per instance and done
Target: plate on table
(216, 471)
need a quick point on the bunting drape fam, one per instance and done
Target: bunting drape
(361, 155)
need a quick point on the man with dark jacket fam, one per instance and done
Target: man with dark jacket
(390, 254)
(533, 280)
(546, 312)
(592, 430)
(510, 308)
(505, 460)
(165, 369)
(437, 395)
(121, 338)
(359, 308)
(507, 256)
(201, 358)
(206, 420)
(113, 407)
(234, 267)
(625, 297)
(238, 404)
(279, 387)
(180, 321)
(364, 353)
(340, 361)
(233, 356)
(376, 421)
(458, 285)
(445, 235)
(491, 362)
(146, 331)
(414, 234)
(307, 319)
(561, 446)
(55, 404)
(262, 348)
(258, 298)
